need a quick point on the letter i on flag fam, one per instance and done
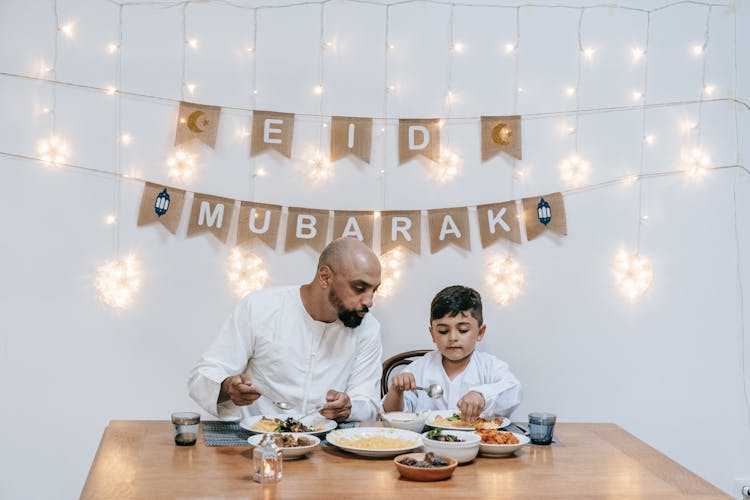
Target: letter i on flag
(351, 136)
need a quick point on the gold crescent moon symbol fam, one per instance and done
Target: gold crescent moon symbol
(501, 134)
(192, 121)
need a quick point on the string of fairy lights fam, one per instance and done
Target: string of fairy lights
(117, 281)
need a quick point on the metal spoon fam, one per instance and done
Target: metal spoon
(433, 390)
(282, 405)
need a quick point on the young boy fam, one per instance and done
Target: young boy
(474, 382)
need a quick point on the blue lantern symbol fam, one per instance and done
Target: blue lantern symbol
(161, 204)
(544, 212)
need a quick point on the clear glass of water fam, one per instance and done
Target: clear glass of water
(541, 427)
(185, 427)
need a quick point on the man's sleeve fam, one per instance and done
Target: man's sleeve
(226, 356)
(363, 386)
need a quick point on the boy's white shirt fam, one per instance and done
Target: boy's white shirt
(485, 374)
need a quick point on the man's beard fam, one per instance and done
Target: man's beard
(349, 317)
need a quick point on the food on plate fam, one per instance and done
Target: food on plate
(456, 421)
(287, 441)
(493, 436)
(288, 425)
(378, 442)
(437, 435)
(430, 460)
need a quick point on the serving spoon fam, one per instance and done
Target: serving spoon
(433, 390)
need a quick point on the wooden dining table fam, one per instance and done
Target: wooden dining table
(138, 459)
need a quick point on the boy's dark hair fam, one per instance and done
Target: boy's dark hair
(455, 299)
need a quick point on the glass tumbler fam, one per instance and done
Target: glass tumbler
(185, 427)
(541, 427)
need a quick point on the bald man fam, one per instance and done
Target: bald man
(311, 346)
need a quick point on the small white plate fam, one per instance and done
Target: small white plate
(290, 452)
(335, 438)
(447, 413)
(502, 450)
(323, 424)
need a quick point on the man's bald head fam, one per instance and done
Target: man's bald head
(348, 254)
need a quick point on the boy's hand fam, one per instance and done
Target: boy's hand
(403, 382)
(471, 405)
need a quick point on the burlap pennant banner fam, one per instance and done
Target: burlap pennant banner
(272, 130)
(418, 137)
(258, 221)
(501, 134)
(449, 225)
(498, 220)
(212, 214)
(544, 213)
(197, 121)
(351, 136)
(401, 228)
(161, 204)
(306, 226)
(357, 224)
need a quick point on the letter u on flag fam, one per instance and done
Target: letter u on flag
(449, 225)
(272, 130)
(351, 136)
(306, 226)
(210, 214)
(544, 213)
(197, 121)
(418, 137)
(162, 205)
(258, 221)
(501, 134)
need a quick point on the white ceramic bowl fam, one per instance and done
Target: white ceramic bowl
(463, 451)
(404, 420)
(500, 450)
(292, 451)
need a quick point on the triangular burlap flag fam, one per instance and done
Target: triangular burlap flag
(258, 221)
(354, 223)
(306, 226)
(197, 121)
(544, 213)
(498, 220)
(272, 130)
(161, 204)
(212, 214)
(501, 134)
(351, 136)
(418, 137)
(449, 225)
(401, 228)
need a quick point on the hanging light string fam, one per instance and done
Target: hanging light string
(118, 125)
(704, 54)
(386, 83)
(183, 64)
(516, 83)
(643, 136)
(321, 85)
(53, 72)
(253, 101)
(578, 79)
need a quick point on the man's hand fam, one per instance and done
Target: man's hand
(338, 406)
(239, 389)
(471, 405)
(403, 382)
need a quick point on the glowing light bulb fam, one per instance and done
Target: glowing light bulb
(637, 95)
(193, 43)
(687, 126)
(520, 90)
(650, 139)
(117, 282)
(391, 88)
(318, 89)
(458, 47)
(504, 278)
(697, 163)
(246, 272)
(391, 46)
(570, 91)
(191, 87)
(588, 53)
(320, 167)
(447, 165)
(638, 53)
(126, 139)
(574, 170)
(510, 48)
(392, 262)
(110, 219)
(251, 49)
(450, 97)
(181, 165)
(112, 48)
(53, 151)
(709, 89)
(261, 172)
(698, 49)
(110, 90)
(632, 274)
(68, 29)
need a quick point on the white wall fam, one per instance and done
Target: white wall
(669, 368)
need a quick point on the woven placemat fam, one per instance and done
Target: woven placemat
(218, 433)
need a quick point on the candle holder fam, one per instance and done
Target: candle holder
(267, 461)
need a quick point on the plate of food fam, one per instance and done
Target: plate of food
(451, 419)
(375, 441)
(497, 443)
(313, 424)
(291, 444)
